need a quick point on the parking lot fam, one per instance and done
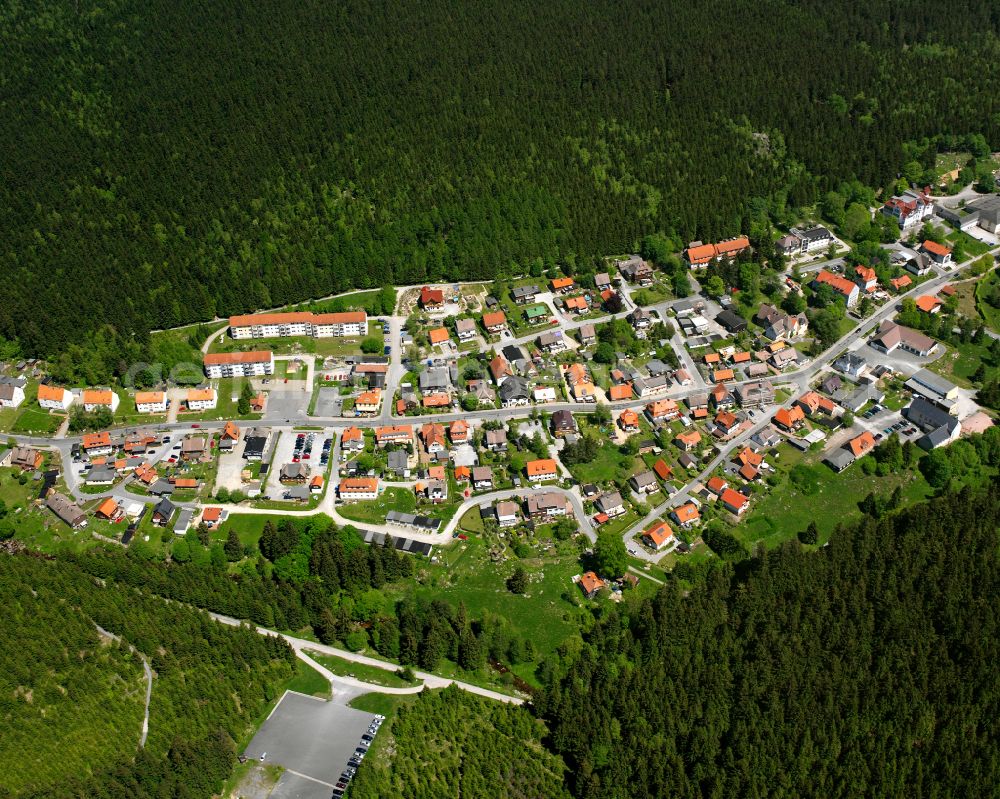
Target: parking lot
(284, 453)
(313, 740)
(329, 402)
(231, 466)
(285, 400)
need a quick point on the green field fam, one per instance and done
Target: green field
(832, 499)
(959, 363)
(374, 510)
(989, 314)
(360, 671)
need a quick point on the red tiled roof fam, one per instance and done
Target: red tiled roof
(936, 249)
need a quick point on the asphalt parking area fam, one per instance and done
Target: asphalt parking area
(312, 739)
(329, 402)
(286, 401)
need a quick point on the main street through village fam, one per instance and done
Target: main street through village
(793, 382)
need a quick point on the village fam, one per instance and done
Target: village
(539, 407)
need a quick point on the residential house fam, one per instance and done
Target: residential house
(352, 440)
(686, 515)
(726, 423)
(398, 462)
(101, 476)
(755, 395)
(721, 397)
(658, 536)
(809, 403)
(458, 431)
(522, 295)
(611, 504)
(648, 386)
(866, 278)
(839, 459)
(543, 394)
(861, 445)
(95, 444)
(577, 305)
(920, 265)
(355, 488)
(239, 364)
(662, 410)
(622, 391)
(539, 471)
(938, 253)
(11, 391)
(68, 511)
(213, 517)
(663, 471)
(482, 391)
(688, 440)
(431, 299)
(891, 335)
(26, 458)
(628, 421)
(201, 399)
(732, 322)
(644, 483)
(766, 438)
(562, 285)
(602, 281)
(635, 270)
(435, 380)
(94, 398)
(294, 473)
(194, 448)
(641, 321)
(845, 288)
(465, 329)
(500, 369)
(851, 364)
(54, 398)
(482, 478)
(397, 434)
(734, 501)
(698, 402)
(432, 436)
(591, 584)
(495, 440)
(789, 419)
(563, 423)
(831, 384)
(552, 342)
(717, 485)
(723, 375)
(683, 378)
(438, 335)
(514, 392)
(506, 513)
(495, 322)
(163, 511)
(109, 510)
(779, 326)
(587, 334)
(928, 303)
(784, 358)
(902, 282)
(548, 505)
(368, 402)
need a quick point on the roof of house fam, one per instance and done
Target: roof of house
(787, 417)
(359, 485)
(861, 444)
(901, 282)
(661, 469)
(590, 582)
(720, 375)
(927, 303)
(622, 391)
(51, 393)
(734, 499)
(97, 396)
(542, 466)
(306, 317)
(223, 358)
(211, 515)
(658, 532)
(687, 512)
(689, 437)
(578, 303)
(866, 273)
(200, 394)
(438, 335)
(90, 440)
(936, 249)
(393, 430)
(352, 434)
(494, 318)
(663, 407)
(429, 296)
(373, 397)
(891, 334)
(108, 508)
(562, 283)
(717, 484)
(836, 282)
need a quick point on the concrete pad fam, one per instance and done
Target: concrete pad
(329, 402)
(312, 738)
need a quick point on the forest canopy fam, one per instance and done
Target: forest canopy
(169, 161)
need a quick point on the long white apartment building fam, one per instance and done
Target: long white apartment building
(240, 364)
(304, 323)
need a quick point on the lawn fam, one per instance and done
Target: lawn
(383, 704)
(989, 314)
(307, 681)
(361, 671)
(967, 244)
(375, 510)
(830, 499)
(33, 419)
(958, 364)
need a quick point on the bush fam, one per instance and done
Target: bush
(356, 640)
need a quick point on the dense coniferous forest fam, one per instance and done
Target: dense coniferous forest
(169, 161)
(71, 706)
(867, 668)
(452, 743)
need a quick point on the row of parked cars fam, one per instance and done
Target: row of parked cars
(359, 755)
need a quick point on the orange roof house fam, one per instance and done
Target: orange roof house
(809, 402)
(948, 290)
(622, 391)
(712, 357)
(748, 457)
(934, 248)
(866, 277)
(789, 419)
(231, 431)
(663, 409)
(431, 298)
(590, 584)
(494, 320)
(658, 534)
(578, 304)
(734, 500)
(748, 472)
(700, 254)
(741, 357)
(663, 471)
(846, 288)
(499, 368)
(686, 514)
(901, 282)
(463, 473)
(723, 375)
(438, 335)
(688, 440)
(928, 303)
(108, 509)
(562, 283)
(93, 396)
(862, 444)
(433, 436)
(351, 434)
(717, 485)
(211, 516)
(435, 472)
(628, 420)
(459, 430)
(96, 440)
(543, 469)
(50, 393)
(436, 401)
(224, 358)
